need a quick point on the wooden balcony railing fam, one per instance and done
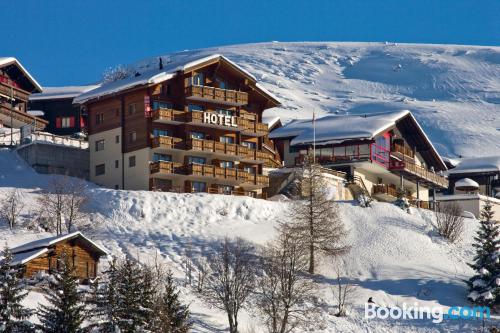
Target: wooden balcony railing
(166, 142)
(218, 95)
(9, 90)
(165, 167)
(419, 172)
(404, 150)
(390, 190)
(168, 115)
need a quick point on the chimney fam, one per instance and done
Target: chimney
(161, 63)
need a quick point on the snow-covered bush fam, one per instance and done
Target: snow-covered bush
(364, 201)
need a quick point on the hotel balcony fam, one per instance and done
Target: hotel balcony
(417, 173)
(402, 150)
(216, 95)
(243, 125)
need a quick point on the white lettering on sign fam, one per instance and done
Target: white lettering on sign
(219, 119)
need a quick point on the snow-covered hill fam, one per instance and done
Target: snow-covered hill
(454, 91)
(396, 257)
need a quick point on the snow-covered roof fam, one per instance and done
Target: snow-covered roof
(466, 182)
(330, 129)
(11, 60)
(171, 67)
(24, 257)
(477, 164)
(62, 92)
(47, 242)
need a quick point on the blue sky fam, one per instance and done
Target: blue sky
(64, 42)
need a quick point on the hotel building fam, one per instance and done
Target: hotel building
(193, 125)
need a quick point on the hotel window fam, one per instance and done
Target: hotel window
(162, 105)
(195, 108)
(222, 84)
(160, 132)
(198, 187)
(99, 118)
(226, 139)
(196, 80)
(132, 136)
(196, 160)
(117, 164)
(250, 170)
(100, 169)
(117, 139)
(197, 135)
(65, 122)
(227, 164)
(249, 144)
(99, 145)
(132, 108)
(162, 157)
(131, 161)
(225, 112)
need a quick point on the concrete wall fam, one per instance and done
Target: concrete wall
(472, 203)
(56, 159)
(137, 177)
(111, 153)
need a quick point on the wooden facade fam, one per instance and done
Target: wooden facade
(82, 254)
(208, 114)
(15, 87)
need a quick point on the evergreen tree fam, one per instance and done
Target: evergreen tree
(12, 312)
(66, 310)
(171, 316)
(485, 284)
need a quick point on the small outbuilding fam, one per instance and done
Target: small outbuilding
(42, 255)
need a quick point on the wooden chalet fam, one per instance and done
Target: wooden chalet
(16, 85)
(43, 255)
(189, 124)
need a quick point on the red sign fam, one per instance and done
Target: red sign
(147, 107)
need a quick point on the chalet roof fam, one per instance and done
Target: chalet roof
(477, 164)
(62, 92)
(45, 243)
(170, 69)
(24, 257)
(339, 128)
(6, 61)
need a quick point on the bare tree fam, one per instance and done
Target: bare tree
(62, 203)
(315, 218)
(449, 221)
(283, 287)
(231, 279)
(12, 206)
(203, 269)
(344, 290)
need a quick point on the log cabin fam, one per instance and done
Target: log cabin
(43, 255)
(16, 85)
(382, 153)
(185, 125)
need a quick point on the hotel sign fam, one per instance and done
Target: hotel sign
(219, 119)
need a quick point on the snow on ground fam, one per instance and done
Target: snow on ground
(396, 257)
(453, 91)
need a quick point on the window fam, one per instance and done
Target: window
(65, 122)
(196, 80)
(117, 164)
(226, 139)
(250, 170)
(132, 108)
(249, 144)
(226, 164)
(99, 145)
(196, 160)
(195, 108)
(117, 139)
(162, 105)
(160, 132)
(199, 187)
(99, 118)
(100, 169)
(197, 135)
(132, 136)
(225, 112)
(162, 157)
(293, 149)
(222, 84)
(131, 161)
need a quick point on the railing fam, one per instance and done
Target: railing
(23, 117)
(165, 167)
(385, 189)
(166, 142)
(10, 90)
(419, 172)
(5, 139)
(217, 94)
(335, 159)
(168, 114)
(402, 149)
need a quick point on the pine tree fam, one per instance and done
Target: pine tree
(171, 316)
(12, 312)
(66, 310)
(485, 284)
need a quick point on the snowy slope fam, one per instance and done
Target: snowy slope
(396, 257)
(454, 91)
